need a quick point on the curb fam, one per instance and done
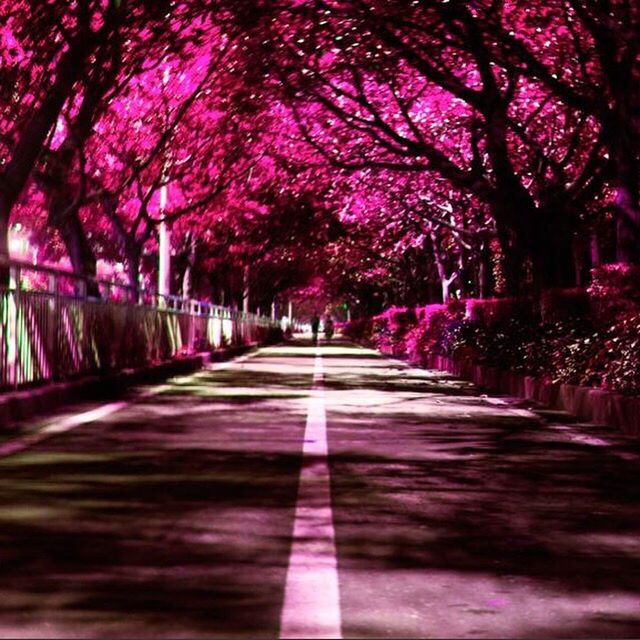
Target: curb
(594, 405)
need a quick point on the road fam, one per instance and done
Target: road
(318, 492)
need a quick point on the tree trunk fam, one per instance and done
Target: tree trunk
(445, 280)
(624, 141)
(594, 249)
(187, 279)
(30, 143)
(508, 273)
(245, 289)
(627, 225)
(445, 284)
(540, 233)
(64, 217)
(484, 271)
(466, 274)
(512, 208)
(4, 252)
(133, 254)
(578, 262)
(551, 247)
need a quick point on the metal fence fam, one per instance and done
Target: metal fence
(51, 330)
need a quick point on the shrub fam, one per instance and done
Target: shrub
(615, 288)
(270, 335)
(578, 350)
(390, 329)
(562, 304)
(488, 311)
(427, 335)
(359, 330)
(620, 351)
(274, 335)
(513, 344)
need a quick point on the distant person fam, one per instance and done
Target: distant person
(315, 325)
(328, 327)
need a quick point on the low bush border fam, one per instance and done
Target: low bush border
(586, 403)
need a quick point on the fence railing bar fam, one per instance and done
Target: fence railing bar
(55, 331)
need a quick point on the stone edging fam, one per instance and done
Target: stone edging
(590, 404)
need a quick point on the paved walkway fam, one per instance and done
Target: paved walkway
(292, 493)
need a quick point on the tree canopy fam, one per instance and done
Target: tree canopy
(396, 151)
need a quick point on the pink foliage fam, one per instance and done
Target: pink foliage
(491, 310)
(391, 327)
(615, 288)
(423, 339)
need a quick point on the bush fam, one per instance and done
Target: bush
(615, 288)
(620, 351)
(514, 344)
(488, 311)
(427, 336)
(563, 304)
(359, 330)
(270, 335)
(578, 350)
(390, 329)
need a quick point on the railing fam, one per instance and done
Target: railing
(51, 330)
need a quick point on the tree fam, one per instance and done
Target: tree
(420, 89)
(50, 47)
(588, 55)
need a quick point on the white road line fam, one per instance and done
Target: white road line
(219, 366)
(67, 424)
(311, 606)
(498, 402)
(60, 426)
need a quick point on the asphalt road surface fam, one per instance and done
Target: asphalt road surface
(317, 492)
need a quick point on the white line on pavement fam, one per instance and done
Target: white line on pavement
(71, 422)
(218, 366)
(498, 402)
(60, 426)
(311, 606)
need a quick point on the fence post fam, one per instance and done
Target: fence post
(13, 301)
(193, 323)
(53, 328)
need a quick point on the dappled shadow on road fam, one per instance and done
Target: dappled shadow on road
(381, 382)
(454, 517)
(463, 518)
(264, 381)
(371, 373)
(178, 549)
(173, 518)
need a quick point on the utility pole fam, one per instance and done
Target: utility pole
(245, 289)
(164, 232)
(164, 241)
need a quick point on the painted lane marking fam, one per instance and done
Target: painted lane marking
(219, 366)
(498, 402)
(60, 426)
(311, 606)
(64, 425)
